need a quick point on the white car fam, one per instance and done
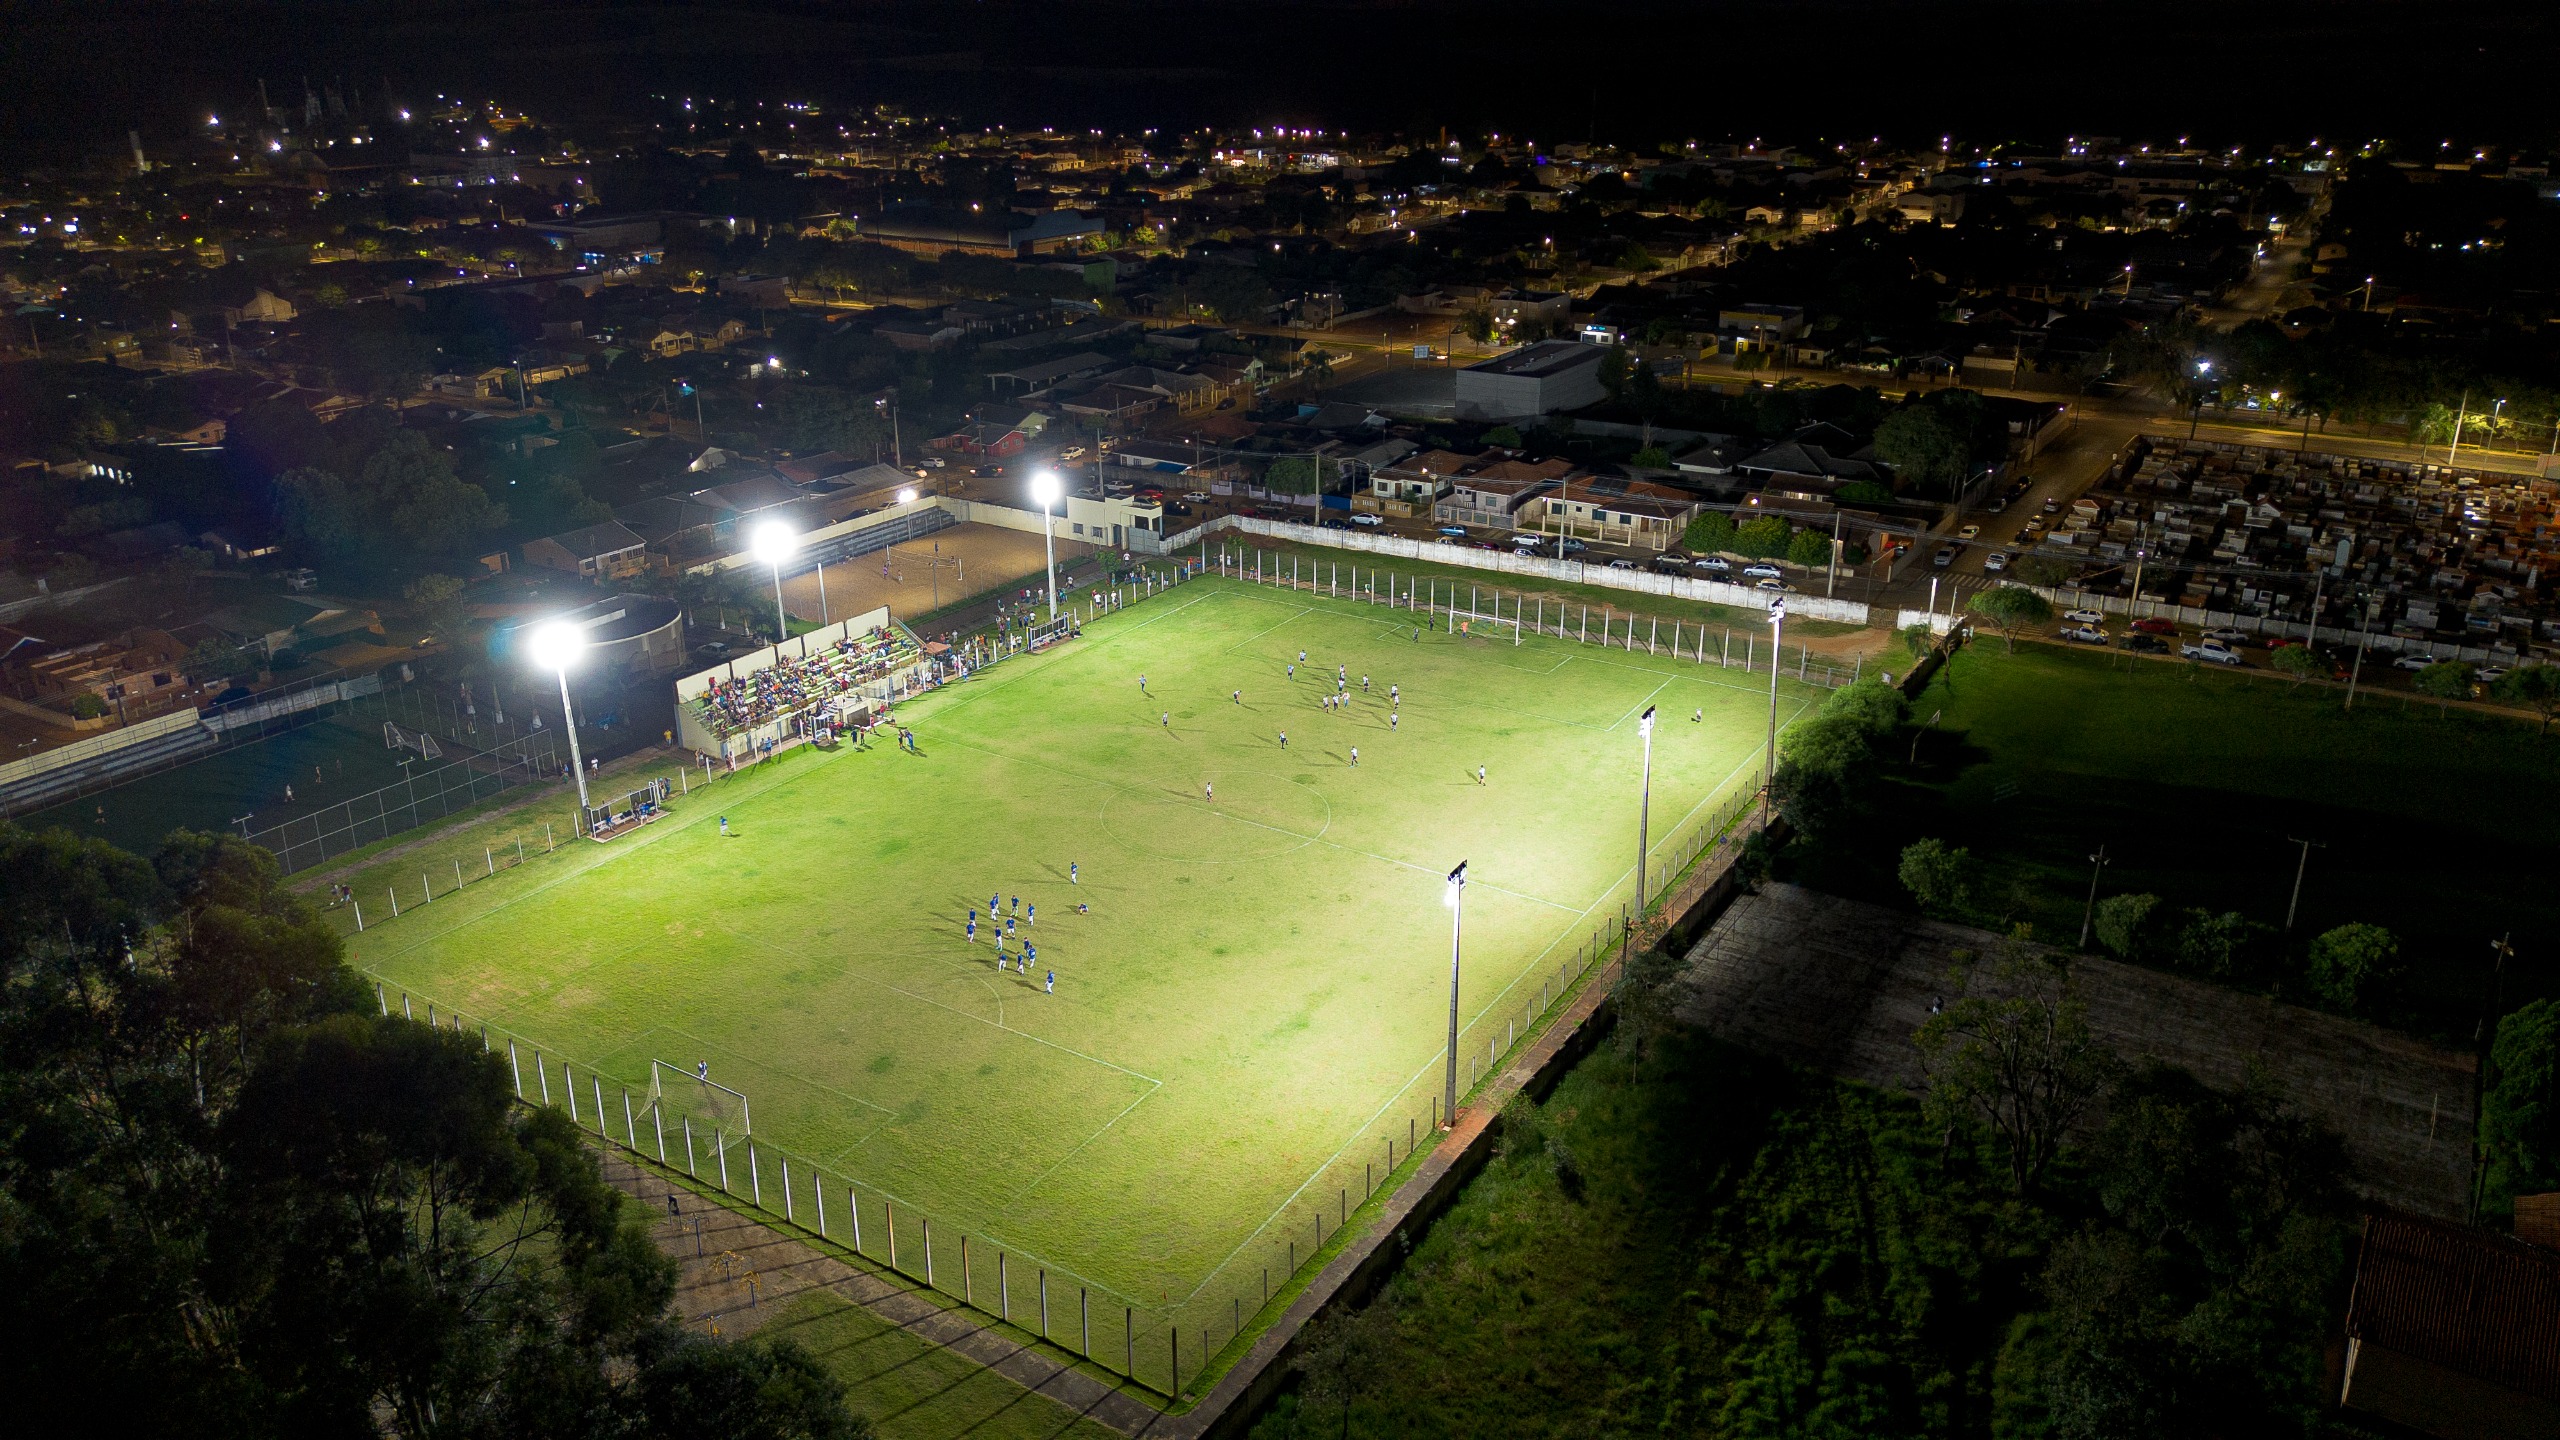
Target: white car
(1072, 452)
(1196, 497)
(2085, 617)
(2228, 636)
(1364, 518)
(1716, 563)
(2085, 634)
(1774, 585)
(1622, 565)
(1528, 542)
(2412, 662)
(1764, 571)
(1996, 561)
(2213, 650)
(1969, 532)
(2489, 674)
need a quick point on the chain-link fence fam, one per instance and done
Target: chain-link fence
(321, 835)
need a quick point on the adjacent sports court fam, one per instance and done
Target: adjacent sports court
(1252, 990)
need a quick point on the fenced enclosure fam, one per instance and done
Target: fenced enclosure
(688, 1122)
(423, 795)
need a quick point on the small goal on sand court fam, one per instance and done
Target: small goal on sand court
(395, 738)
(1469, 622)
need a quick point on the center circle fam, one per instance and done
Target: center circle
(1256, 816)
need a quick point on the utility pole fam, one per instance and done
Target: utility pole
(2363, 628)
(2461, 412)
(2294, 904)
(1777, 637)
(2089, 913)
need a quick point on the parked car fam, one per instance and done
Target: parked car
(2228, 636)
(2412, 662)
(1623, 564)
(1945, 557)
(1196, 497)
(1367, 519)
(2213, 650)
(1573, 546)
(1072, 452)
(1763, 570)
(1331, 523)
(2085, 617)
(1716, 563)
(2146, 644)
(1968, 532)
(2053, 505)
(2489, 674)
(1776, 586)
(1996, 562)
(1528, 542)
(2085, 634)
(1458, 530)
(713, 647)
(2028, 532)
(2154, 625)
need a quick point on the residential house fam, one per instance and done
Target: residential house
(1413, 485)
(610, 551)
(1493, 495)
(1615, 510)
(995, 432)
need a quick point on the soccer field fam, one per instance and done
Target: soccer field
(1256, 1000)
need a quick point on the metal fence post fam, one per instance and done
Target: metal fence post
(542, 1075)
(689, 1167)
(1004, 1291)
(853, 1207)
(1044, 1304)
(786, 1188)
(889, 1214)
(513, 1067)
(755, 1181)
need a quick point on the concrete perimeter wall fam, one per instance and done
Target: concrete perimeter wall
(1566, 572)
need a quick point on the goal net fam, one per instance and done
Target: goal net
(1476, 622)
(395, 738)
(1050, 632)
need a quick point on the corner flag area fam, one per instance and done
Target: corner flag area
(1251, 982)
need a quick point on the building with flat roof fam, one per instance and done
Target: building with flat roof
(1534, 380)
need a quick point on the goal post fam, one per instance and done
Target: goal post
(679, 1093)
(1468, 622)
(395, 738)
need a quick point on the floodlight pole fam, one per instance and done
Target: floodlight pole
(1644, 805)
(781, 621)
(2089, 912)
(1449, 1086)
(1049, 544)
(577, 764)
(1777, 637)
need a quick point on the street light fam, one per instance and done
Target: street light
(556, 647)
(1449, 1089)
(773, 542)
(1777, 638)
(1045, 490)
(2098, 864)
(1644, 805)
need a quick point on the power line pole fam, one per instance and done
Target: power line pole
(2089, 913)
(2294, 904)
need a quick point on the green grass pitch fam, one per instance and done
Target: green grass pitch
(1261, 981)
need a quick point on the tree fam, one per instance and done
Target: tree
(2299, 661)
(1296, 475)
(2350, 962)
(1809, 548)
(1709, 534)
(2041, 570)
(214, 660)
(2445, 681)
(1764, 538)
(2535, 687)
(1476, 323)
(2520, 1111)
(1823, 758)
(1938, 875)
(1508, 437)
(440, 605)
(2020, 1059)
(2226, 946)
(411, 483)
(1922, 448)
(1919, 640)
(2008, 607)
(1342, 1358)
(1651, 457)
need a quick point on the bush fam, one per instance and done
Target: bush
(1503, 435)
(1651, 457)
(2224, 947)
(1821, 757)
(2130, 925)
(1863, 492)
(1810, 548)
(1938, 875)
(2349, 964)
(2520, 1110)
(88, 707)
